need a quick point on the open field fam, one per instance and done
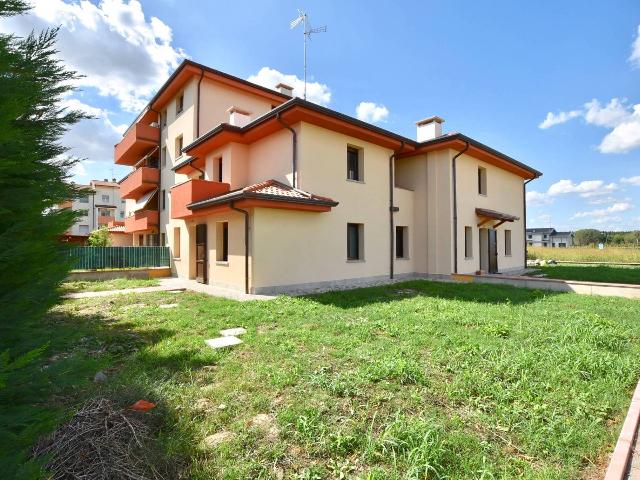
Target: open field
(415, 380)
(585, 254)
(591, 273)
(103, 285)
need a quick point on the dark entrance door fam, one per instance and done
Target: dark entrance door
(493, 250)
(201, 253)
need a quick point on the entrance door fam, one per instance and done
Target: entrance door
(201, 253)
(493, 250)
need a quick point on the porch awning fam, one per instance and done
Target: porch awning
(143, 201)
(489, 215)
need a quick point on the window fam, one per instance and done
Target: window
(163, 118)
(164, 199)
(83, 229)
(529, 236)
(105, 198)
(222, 241)
(482, 181)
(355, 238)
(544, 244)
(402, 246)
(220, 169)
(507, 243)
(562, 245)
(140, 240)
(163, 240)
(545, 236)
(121, 214)
(105, 212)
(354, 164)
(176, 242)
(530, 244)
(180, 104)
(84, 200)
(178, 146)
(468, 242)
(163, 157)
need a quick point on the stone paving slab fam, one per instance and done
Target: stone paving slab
(223, 342)
(233, 332)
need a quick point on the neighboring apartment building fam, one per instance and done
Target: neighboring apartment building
(102, 205)
(254, 190)
(548, 237)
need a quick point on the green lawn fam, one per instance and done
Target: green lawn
(101, 285)
(410, 381)
(591, 273)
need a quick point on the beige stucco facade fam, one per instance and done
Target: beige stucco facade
(295, 246)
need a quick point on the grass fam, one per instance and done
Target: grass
(411, 381)
(591, 273)
(102, 285)
(586, 254)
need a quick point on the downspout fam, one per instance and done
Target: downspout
(198, 104)
(246, 245)
(455, 207)
(392, 208)
(524, 217)
(294, 159)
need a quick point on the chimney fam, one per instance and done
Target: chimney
(429, 128)
(285, 89)
(238, 117)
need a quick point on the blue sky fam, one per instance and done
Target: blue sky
(494, 70)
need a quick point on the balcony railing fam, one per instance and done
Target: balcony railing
(143, 180)
(136, 142)
(193, 191)
(141, 221)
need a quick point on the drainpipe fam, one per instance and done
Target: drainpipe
(524, 217)
(246, 245)
(455, 207)
(392, 208)
(198, 104)
(294, 159)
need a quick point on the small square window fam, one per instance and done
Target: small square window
(468, 242)
(355, 237)
(354, 164)
(180, 104)
(482, 181)
(105, 198)
(222, 241)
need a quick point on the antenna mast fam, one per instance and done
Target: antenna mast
(303, 18)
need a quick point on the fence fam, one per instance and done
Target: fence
(97, 258)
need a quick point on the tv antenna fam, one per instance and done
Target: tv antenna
(307, 31)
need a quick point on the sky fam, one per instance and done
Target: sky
(553, 84)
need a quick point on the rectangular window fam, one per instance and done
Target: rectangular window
(482, 181)
(180, 104)
(222, 241)
(354, 164)
(507, 243)
(140, 240)
(163, 239)
(84, 200)
(529, 236)
(105, 212)
(176, 242)
(355, 239)
(121, 214)
(468, 242)
(220, 169)
(105, 198)
(163, 118)
(83, 229)
(163, 157)
(402, 245)
(178, 151)
(164, 199)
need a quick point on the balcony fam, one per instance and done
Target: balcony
(193, 191)
(137, 141)
(141, 181)
(105, 219)
(141, 221)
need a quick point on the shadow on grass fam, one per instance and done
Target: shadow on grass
(43, 394)
(466, 292)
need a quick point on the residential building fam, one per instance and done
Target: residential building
(101, 204)
(258, 191)
(548, 237)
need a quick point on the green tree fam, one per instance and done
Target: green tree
(587, 236)
(34, 173)
(100, 238)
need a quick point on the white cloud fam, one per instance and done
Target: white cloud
(316, 92)
(605, 212)
(544, 220)
(538, 198)
(557, 118)
(121, 53)
(587, 188)
(631, 180)
(371, 112)
(635, 50)
(622, 119)
(602, 200)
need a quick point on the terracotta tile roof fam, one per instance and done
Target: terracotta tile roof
(267, 190)
(117, 229)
